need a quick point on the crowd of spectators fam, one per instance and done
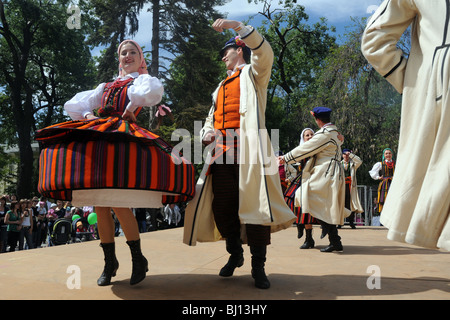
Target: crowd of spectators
(28, 223)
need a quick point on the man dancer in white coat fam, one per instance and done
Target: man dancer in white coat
(350, 163)
(322, 192)
(239, 199)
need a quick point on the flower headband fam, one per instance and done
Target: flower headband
(239, 42)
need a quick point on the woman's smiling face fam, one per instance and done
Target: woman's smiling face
(129, 58)
(388, 155)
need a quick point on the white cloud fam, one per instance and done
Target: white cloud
(339, 10)
(239, 8)
(333, 10)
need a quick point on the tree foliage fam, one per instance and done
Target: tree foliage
(311, 69)
(300, 49)
(43, 64)
(366, 108)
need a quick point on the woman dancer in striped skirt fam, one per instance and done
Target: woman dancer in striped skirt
(304, 220)
(110, 162)
(383, 171)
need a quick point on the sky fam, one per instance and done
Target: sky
(337, 12)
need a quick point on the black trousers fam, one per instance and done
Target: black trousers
(225, 184)
(351, 218)
(13, 240)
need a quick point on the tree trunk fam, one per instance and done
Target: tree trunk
(154, 64)
(21, 104)
(26, 169)
(23, 118)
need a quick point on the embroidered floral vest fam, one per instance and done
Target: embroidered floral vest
(115, 98)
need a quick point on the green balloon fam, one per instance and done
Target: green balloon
(75, 217)
(92, 218)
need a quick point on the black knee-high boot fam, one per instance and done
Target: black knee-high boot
(309, 241)
(236, 259)
(258, 260)
(335, 240)
(111, 264)
(140, 264)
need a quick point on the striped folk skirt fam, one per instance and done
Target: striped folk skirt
(383, 189)
(289, 197)
(111, 162)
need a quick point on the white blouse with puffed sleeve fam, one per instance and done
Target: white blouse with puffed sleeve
(146, 91)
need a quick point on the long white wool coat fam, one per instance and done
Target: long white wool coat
(322, 192)
(417, 208)
(261, 200)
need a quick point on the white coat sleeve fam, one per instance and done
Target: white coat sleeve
(380, 38)
(84, 103)
(208, 127)
(262, 56)
(146, 91)
(311, 147)
(356, 160)
(375, 172)
(291, 172)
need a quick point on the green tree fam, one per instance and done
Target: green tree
(195, 71)
(300, 49)
(365, 106)
(43, 64)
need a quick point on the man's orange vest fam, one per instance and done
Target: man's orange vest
(227, 114)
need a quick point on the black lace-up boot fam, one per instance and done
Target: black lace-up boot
(111, 264)
(309, 241)
(140, 264)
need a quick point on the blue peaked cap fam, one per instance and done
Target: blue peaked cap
(321, 111)
(235, 44)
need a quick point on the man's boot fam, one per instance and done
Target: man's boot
(111, 264)
(325, 229)
(300, 228)
(309, 242)
(140, 264)
(335, 240)
(351, 220)
(236, 259)
(258, 260)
